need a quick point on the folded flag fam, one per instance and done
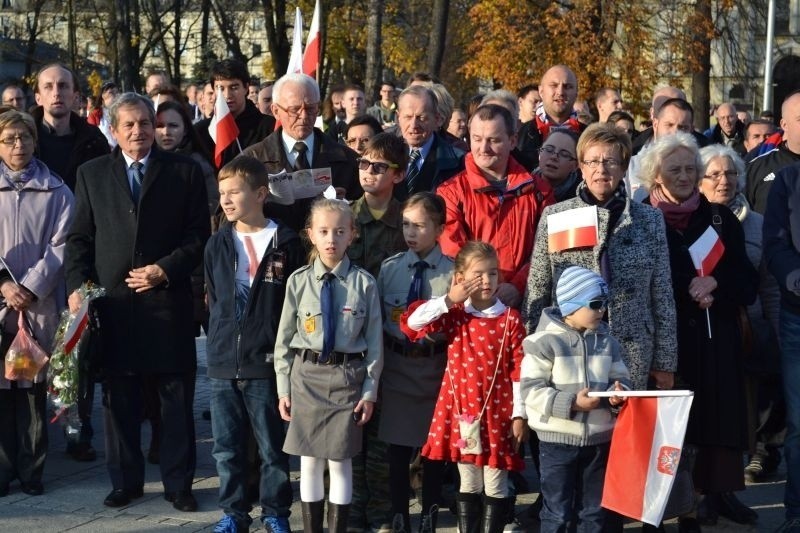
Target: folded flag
(575, 228)
(644, 456)
(706, 252)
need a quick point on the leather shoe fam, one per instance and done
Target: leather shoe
(730, 507)
(34, 488)
(182, 500)
(117, 498)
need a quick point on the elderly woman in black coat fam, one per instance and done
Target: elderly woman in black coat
(707, 301)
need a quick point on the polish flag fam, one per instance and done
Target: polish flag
(706, 252)
(296, 57)
(223, 128)
(645, 452)
(311, 54)
(572, 229)
(76, 327)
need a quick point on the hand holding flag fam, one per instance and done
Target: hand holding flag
(706, 253)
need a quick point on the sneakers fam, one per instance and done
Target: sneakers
(762, 465)
(228, 524)
(276, 524)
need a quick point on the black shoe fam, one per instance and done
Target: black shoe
(708, 509)
(688, 525)
(82, 452)
(730, 507)
(117, 498)
(182, 500)
(34, 488)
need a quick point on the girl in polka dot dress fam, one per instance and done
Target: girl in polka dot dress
(478, 421)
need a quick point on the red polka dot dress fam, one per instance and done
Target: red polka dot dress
(474, 344)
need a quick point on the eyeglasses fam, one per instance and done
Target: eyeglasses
(359, 141)
(295, 110)
(12, 141)
(595, 305)
(378, 168)
(607, 163)
(716, 176)
(560, 154)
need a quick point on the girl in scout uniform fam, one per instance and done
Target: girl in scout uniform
(328, 358)
(413, 371)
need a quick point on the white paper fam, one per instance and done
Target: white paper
(286, 187)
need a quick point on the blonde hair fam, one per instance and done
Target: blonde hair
(326, 204)
(12, 117)
(471, 251)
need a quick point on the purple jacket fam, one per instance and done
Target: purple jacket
(35, 216)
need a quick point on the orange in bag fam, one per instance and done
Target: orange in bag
(25, 358)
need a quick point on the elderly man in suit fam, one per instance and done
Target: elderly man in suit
(298, 145)
(140, 226)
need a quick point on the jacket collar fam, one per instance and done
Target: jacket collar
(516, 174)
(325, 150)
(38, 177)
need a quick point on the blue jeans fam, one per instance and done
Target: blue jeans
(790, 366)
(237, 405)
(572, 486)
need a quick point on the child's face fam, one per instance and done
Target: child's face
(419, 230)
(585, 318)
(374, 182)
(331, 232)
(486, 270)
(239, 201)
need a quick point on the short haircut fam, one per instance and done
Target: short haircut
(307, 82)
(353, 87)
(130, 100)
(251, 170)
(523, 91)
(759, 122)
(422, 92)
(501, 95)
(616, 116)
(431, 203)
(472, 250)
(363, 120)
(390, 147)
(444, 101)
(653, 157)
(601, 94)
(339, 88)
(491, 112)
(76, 85)
(679, 103)
(422, 76)
(564, 131)
(604, 133)
(13, 117)
(721, 151)
(230, 69)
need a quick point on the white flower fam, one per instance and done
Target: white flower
(59, 382)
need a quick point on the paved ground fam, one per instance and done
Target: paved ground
(74, 492)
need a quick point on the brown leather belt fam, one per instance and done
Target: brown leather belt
(414, 350)
(336, 358)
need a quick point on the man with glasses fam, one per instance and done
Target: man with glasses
(230, 81)
(298, 145)
(729, 129)
(385, 109)
(495, 200)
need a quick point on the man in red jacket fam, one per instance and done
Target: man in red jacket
(495, 200)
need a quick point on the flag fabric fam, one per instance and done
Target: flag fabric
(77, 327)
(644, 456)
(296, 57)
(223, 128)
(311, 53)
(706, 252)
(572, 229)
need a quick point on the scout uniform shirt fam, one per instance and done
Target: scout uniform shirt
(377, 239)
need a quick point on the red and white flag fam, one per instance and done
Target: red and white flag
(644, 456)
(296, 57)
(311, 53)
(572, 229)
(223, 128)
(706, 252)
(76, 327)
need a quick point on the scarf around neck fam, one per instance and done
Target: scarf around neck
(675, 215)
(544, 122)
(739, 206)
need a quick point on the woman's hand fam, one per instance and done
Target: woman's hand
(700, 289)
(519, 432)
(459, 292)
(363, 412)
(16, 296)
(284, 407)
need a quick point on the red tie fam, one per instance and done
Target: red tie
(251, 256)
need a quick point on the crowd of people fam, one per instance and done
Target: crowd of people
(411, 301)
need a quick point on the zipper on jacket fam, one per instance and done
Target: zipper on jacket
(238, 327)
(586, 382)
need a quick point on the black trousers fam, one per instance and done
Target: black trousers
(123, 399)
(23, 433)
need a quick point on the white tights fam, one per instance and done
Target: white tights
(312, 471)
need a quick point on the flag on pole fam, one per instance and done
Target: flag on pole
(574, 228)
(645, 453)
(311, 53)
(296, 57)
(706, 252)
(223, 128)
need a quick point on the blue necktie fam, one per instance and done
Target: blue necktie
(413, 170)
(415, 291)
(136, 182)
(328, 317)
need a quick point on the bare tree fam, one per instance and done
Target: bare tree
(438, 36)
(372, 80)
(701, 90)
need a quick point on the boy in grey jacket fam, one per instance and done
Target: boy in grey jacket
(570, 354)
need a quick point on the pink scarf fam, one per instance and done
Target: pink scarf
(675, 215)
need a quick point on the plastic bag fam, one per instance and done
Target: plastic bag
(25, 358)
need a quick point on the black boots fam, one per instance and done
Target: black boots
(428, 520)
(312, 516)
(469, 511)
(337, 517)
(495, 514)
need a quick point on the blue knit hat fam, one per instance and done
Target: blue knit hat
(578, 284)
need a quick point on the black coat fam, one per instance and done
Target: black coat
(152, 331)
(442, 163)
(713, 368)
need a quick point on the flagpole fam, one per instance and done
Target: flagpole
(239, 145)
(708, 315)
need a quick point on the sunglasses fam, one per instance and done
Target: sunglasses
(595, 305)
(379, 168)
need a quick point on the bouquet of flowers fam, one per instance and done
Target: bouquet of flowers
(64, 367)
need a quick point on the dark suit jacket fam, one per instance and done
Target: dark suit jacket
(148, 332)
(442, 163)
(253, 127)
(327, 153)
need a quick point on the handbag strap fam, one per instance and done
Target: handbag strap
(494, 376)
